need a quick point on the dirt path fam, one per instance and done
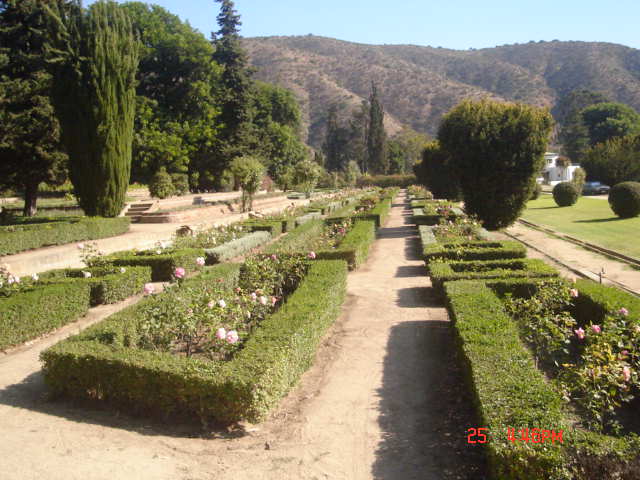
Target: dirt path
(384, 400)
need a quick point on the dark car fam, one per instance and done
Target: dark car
(595, 188)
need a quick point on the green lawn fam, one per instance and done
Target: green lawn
(591, 220)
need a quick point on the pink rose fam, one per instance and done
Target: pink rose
(149, 289)
(626, 373)
(312, 255)
(211, 304)
(573, 292)
(190, 311)
(238, 289)
(253, 296)
(200, 261)
(274, 257)
(222, 303)
(596, 328)
(263, 300)
(221, 334)
(179, 272)
(274, 300)
(81, 246)
(636, 329)
(623, 311)
(232, 336)
(580, 333)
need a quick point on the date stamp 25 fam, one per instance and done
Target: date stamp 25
(523, 435)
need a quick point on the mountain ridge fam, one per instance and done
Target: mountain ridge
(418, 84)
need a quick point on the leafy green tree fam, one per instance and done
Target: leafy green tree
(436, 172)
(395, 157)
(236, 85)
(352, 173)
(579, 179)
(605, 121)
(248, 172)
(94, 96)
(571, 104)
(497, 150)
(412, 144)
(376, 136)
(306, 175)
(614, 161)
(336, 142)
(30, 147)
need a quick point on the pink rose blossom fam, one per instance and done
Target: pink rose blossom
(232, 336)
(263, 300)
(274, 300)
(190, 311)
(626, 373)
(238, 289)
(596, 328)
(81, 246)
(312, 255)
(221, 333)
(580, 333)
(274, 257)
(573, 292)
(211, 304)
(637, 328)
(149, 289)
(200, 261)
(623, 311)
(222, 303)
(179, 273)
(254, 296)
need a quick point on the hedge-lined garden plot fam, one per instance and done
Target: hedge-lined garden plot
(18, 238)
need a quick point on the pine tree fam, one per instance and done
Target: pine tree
(377, 137)
(30, 148)
(94, 96)
(236, 85)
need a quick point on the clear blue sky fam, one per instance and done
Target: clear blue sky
(458, 24)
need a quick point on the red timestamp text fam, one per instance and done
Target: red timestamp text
(522, 435)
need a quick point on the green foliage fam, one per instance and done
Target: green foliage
(180, 183)
(306, 175)
(436, 172)
(614, 161)
(18, 238)
(246, 387)
(354, 247)
(385, 181)
(163, 263)
(565, 194)
(605, 121)
(248, 172)
(624, 199)
(377, 159)
(536, 192)
(30, 147)
(476, 250)
(579, 179)
(27, 315)
(297, 240)
(497, 150)
(161, 185)
(94, 95)
(236, 247)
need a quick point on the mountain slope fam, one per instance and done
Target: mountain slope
(419, 84)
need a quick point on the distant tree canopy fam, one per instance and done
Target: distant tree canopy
(437, 172)
(614, 161)
(497, 150)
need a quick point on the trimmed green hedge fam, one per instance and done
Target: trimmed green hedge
(162, 265)
(509, 391)
(297, 240)
(308, 217)
(27, 315)
(447, 271)
(378, 213)
(245, 388)
(274, 227)
(108, 284)
(354, 247)
(475, 250)
(236, 247)
(18, 238)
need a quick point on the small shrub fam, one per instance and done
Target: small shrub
(161, 185)
(565, 194)
(180, 183)
(236, 247)
(624, 199)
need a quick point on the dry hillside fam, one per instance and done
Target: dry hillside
(419, 84)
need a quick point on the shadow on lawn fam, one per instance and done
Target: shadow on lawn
(600, 220)
(31, 394)
(426, 408)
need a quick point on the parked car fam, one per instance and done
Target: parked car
(595, 188)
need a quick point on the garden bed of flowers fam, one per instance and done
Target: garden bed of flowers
(553, 355)
(223, 346)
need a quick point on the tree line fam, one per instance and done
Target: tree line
(115, 93)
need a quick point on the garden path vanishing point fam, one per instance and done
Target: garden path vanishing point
(384, 400)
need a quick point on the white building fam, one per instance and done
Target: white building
(553, 173)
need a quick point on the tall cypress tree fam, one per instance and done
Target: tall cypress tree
(94, 95)
(376, 136)
(236, 85)
(30, 148)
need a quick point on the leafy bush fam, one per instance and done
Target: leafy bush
(565, 194)
(27, 315)
(624, 199)
(163, 263)
(385, 181)
(180, 183)
(246, 387)
(436, 171)
(18, 238)
(161, 185)
(298, 239)
(536, 192)
(354, 247)
(236, 247)
(475, 250)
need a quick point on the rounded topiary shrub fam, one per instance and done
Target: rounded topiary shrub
(624, 199)
(161, 185)
(565, 194)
